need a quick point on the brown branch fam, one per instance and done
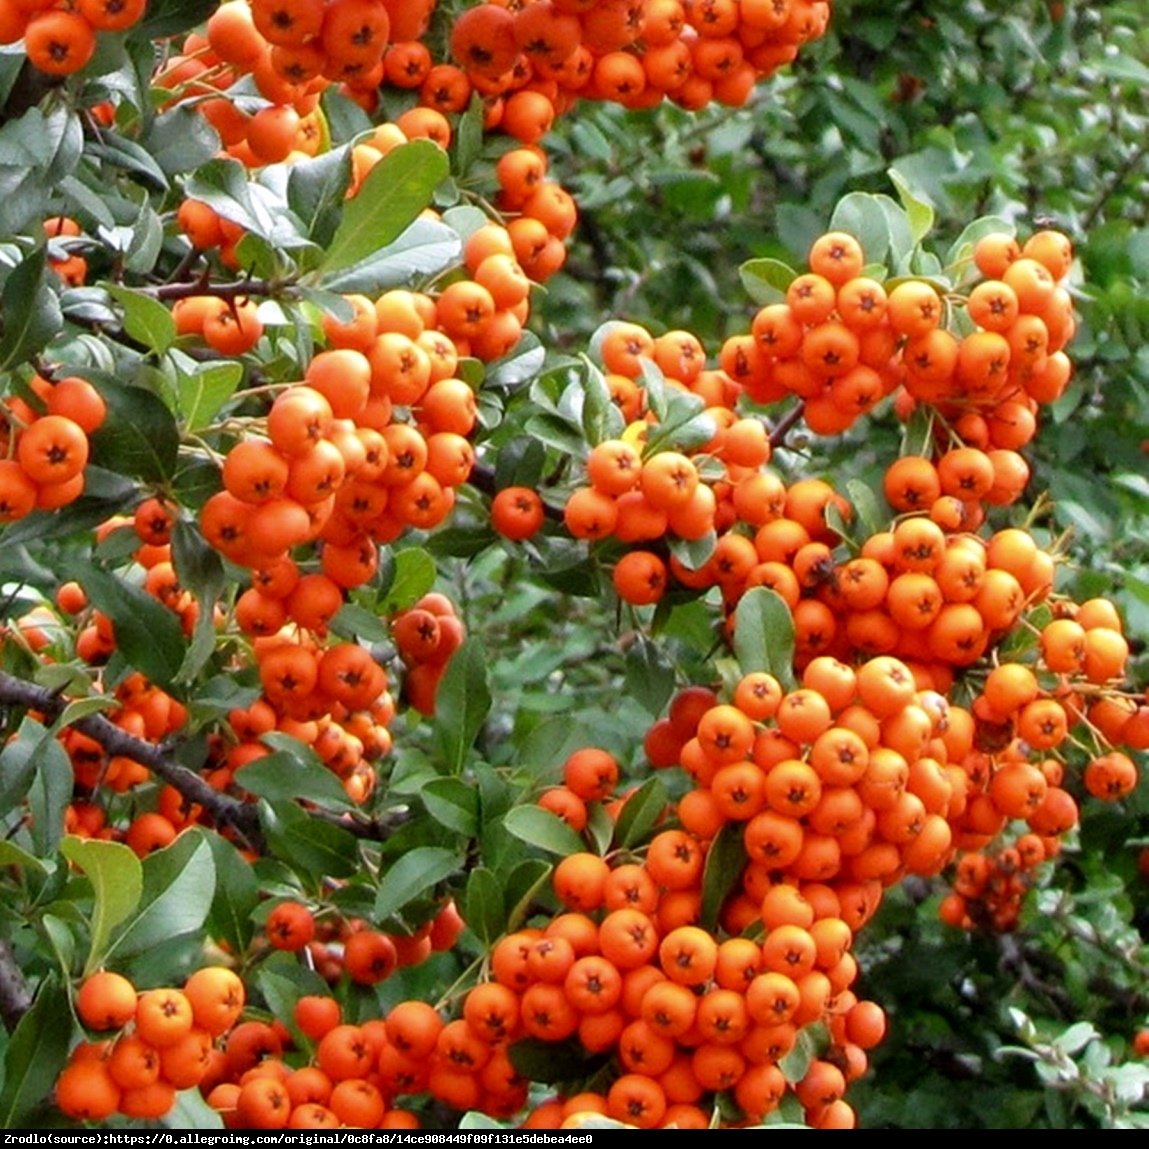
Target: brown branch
(223, 808)
(15, 996)
(786, 424)
(240, 289)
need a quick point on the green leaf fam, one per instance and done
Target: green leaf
(396, 190)
(13, 855)
(30, 310)
(148, 635)
(649, 674)
(524, 886)
(865, 219)
(641, 812)
(453, 804)
(223, 185)
(601, 418)
(482, 906)
(415, 873)
(80, 708)
(766, 280)
(117, 883)
(146, 320)
(541, 828)
(305, 843)
(764, 635)
(205, 389)
(725, 861)
(425, 248)
(49, 796)
(283, 776)
(19, 760)
(356, 622)
(469, 135)
(180, 140)
(462, 703)
(35, 1055)
(551, 1062)
(236, 895)
(139, 436)
(178, 891)
(520, 365)
(316, 190)
(191, 1111)
(120, 152)
(414, 575)
(919, 211)
(165, 18)
(867, 509)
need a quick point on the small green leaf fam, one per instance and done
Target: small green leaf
(462, 703)
(204, 389)
(414, 575)
(425, 248)
(165, 18)
(453, 804)
(541, 828)
(49, 796)
(725, 861)
(469, 135)
(283, 776)
(180, 140)
(178, 890)
(236, 895)
(764, 635)
(139, 436)
(13, 855)
(482, 906)
(223, 184)
(766, 280)
(30, 311)
(19, 760)
(397, 189)
(148, 635)
(601, 418)
(415, 873)
(316, 190)
(117, 883)
(649, 674)
(520, 365)
(524, 885)
(35, 1055)
(641, 812)
(146, 320)
(356, 622)
(867, 509)
(305, 843)
(918, 210)
(551, 1062)
(80, 708)
(860, 214)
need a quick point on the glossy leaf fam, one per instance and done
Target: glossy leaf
(178, 890)
(764, 635)
(462, 703)
(117, 880)
(541, 828)
(415, 873)
(395, 191)
(35, 1055)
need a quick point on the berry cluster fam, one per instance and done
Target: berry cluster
(60, 38)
